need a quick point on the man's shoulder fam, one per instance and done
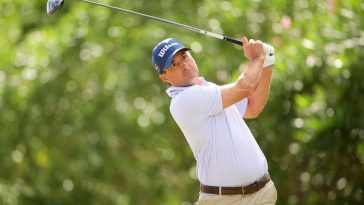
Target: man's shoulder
(192, 96)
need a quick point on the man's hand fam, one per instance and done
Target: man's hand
(253, 50)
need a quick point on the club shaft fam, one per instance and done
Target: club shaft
(197, 30)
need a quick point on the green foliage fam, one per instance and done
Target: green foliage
(85, 120)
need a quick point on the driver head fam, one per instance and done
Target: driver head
(53, 5)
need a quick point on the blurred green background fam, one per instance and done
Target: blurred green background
(85, 119)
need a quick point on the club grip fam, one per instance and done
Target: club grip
(237, 42)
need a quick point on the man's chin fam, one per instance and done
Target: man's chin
(192, 75)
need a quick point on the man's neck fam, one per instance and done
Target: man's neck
(197, 81)
(194, 81)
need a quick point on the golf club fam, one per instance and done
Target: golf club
(54, 5)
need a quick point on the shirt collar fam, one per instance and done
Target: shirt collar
(173, 90)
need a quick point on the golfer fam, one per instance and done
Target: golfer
(231, 167)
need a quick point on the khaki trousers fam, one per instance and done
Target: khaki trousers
(265, 196)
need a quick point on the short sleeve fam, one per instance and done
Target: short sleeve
(241, 106)
(199, 102)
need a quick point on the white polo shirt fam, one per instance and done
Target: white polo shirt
(224, 147)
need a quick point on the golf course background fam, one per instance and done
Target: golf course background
(84, 118)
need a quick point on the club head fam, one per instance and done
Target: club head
(53, 6)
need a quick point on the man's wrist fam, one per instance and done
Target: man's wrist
(257, 62)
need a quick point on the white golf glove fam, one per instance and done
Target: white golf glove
(269, 55)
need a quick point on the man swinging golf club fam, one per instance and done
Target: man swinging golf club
(231, 167)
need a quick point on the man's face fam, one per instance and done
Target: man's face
(183, 70)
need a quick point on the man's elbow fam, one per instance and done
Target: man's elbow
(253, 113)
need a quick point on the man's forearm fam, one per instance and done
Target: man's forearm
(251, 77)
(258, 99)
(245, 86)
(249, 80)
